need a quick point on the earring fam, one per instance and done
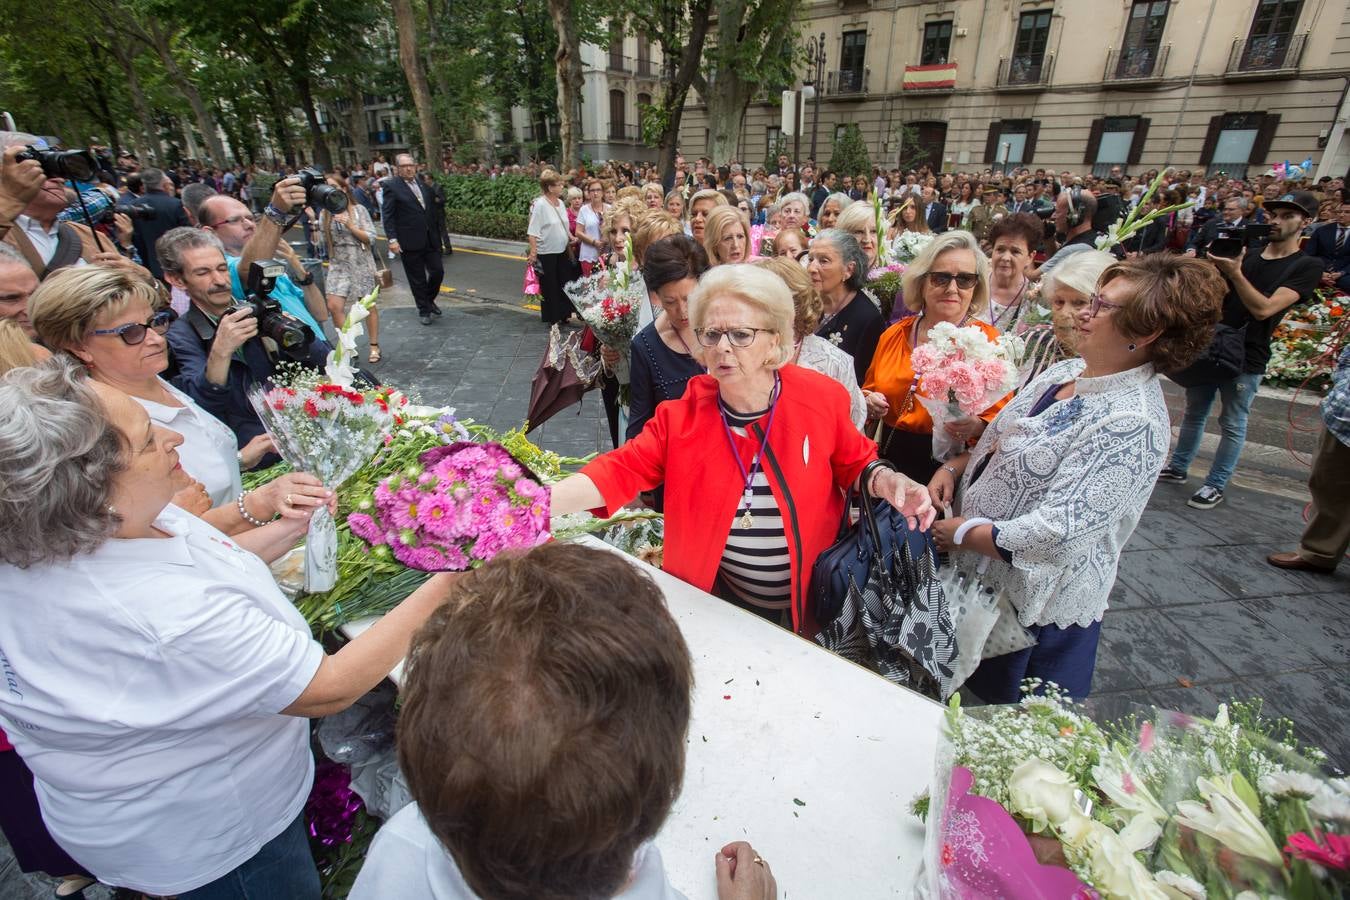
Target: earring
(112, 510)
(1132, 347)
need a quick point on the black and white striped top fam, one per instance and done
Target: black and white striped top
(755, 562)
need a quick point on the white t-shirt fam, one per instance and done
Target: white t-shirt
(588, 221)
(406, 860)
(143, 686)
(548, 226)
(209, 452)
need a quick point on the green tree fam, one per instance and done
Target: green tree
(850, 153)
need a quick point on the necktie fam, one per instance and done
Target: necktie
(1340, 240)
(417, 192)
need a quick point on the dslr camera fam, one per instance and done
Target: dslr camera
(142, 211)
(73, 164)
(319, 193)
(291, 335)
(1229, 241)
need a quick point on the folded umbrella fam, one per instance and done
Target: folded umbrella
(564, 375)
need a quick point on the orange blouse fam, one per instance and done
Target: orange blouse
(892, 372)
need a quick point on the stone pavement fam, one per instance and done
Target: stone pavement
(1197, 616)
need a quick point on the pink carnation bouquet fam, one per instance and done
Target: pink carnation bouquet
(962, 373)
(455, 509)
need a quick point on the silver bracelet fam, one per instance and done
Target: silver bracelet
(243, 511)
(955, 474)
(966, 526)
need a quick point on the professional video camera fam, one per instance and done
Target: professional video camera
(1046, 214)
(319, 193)
(1230, 240)
(291, 335)
(143, 211)
(75, 164)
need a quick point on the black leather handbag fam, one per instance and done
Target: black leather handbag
(1222, 360)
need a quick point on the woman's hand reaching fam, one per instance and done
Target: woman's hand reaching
(742, 874)
(906, 495)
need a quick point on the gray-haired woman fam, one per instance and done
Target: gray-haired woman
(830, 209)
(158, 678)
(852, 320)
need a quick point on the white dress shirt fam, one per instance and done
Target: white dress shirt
(144, 687)
(43, 239)
(209, 452)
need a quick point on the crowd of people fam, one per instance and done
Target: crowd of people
(158, 683)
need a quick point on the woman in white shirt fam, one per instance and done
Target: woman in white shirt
(106, 319)
(157, 679)
(549, 235)
(589, 219)
(1056, 484)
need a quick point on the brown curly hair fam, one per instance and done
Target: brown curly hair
(1176, 297)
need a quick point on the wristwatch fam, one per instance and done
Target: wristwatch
(274, 215)
(306, 281)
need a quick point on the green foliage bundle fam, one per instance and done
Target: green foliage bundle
(850, 153)
(482, 223)
(503, 194)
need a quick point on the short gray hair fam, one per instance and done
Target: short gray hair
(795, 197)
(10, 138)
(193, 196)
(10, 255)
(176, 241)
(59, 455)
(912, 281)
(153, 179)
(755, 286)
(850, 251)
(844, 200)
(1240, 200)
(1078, 272)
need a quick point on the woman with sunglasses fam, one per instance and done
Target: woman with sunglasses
(755, 457)
(947, 282)
(107, 320)
(1056, 485)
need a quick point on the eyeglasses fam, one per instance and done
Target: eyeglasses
(966, 281)
(232, 220)
(134, 333)
(1097, 304)
(739, 337)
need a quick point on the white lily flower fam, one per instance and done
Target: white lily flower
(1116, 872)
(360, 312)
(1180, 887)
(1126, 790)
(1228, 820)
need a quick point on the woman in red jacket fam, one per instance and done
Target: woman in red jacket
(755, 457)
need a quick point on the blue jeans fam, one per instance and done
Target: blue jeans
(1237, 396)
(1066, 656)
(282, 870)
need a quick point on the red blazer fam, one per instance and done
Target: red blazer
(814, 454)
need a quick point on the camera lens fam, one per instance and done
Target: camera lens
(327, 197)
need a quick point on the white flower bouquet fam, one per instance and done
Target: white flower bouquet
(909, 244)
(1038, 800)
(962, 372)
(608, 301)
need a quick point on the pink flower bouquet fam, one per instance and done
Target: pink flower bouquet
(961, 373)
(457, 508)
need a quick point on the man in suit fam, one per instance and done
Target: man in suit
(1234, 215)
(438, 204)
(934, 211)
(409, 215)
(169, 214)
(1331, 245)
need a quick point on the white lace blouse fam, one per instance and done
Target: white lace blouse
(1066, 488)
(820, 355)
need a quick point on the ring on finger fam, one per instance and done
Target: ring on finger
(759, 860)
(287, 500)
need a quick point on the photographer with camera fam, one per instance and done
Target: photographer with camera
(223, 347)
(1264, 283)
(1234, 215)
(168, 213)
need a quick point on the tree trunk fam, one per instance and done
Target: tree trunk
(149, 135)
(748, 54)
(411, 62)
(568, 62)
(672, 103)
(439, 73)
(727, 104)
(322, 157)
(278, 111)
(357, 125)
(205, 122)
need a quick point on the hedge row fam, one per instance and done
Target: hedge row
(503, 194)
(486, 223)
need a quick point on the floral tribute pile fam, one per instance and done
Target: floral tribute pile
(1304, 348)
(1037, 800)
(961, 372)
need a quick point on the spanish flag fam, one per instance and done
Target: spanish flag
(927, 78)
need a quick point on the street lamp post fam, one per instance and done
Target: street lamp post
(815, 61)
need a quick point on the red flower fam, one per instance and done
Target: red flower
(1333, 852)
(312, 408)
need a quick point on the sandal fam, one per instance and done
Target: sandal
(374, 354)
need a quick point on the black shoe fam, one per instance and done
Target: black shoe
(426, 320)
(1206, 498)
(1172, 475)
(435, 310)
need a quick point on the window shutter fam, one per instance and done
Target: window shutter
(1211, 140)
(1266, 134)
(991, 143)
(1094, 141)
(1137, 145)
(1033, 132)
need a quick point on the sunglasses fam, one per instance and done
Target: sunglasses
(134, 333)
(966, 281)
(1097, 304)
(739, 337)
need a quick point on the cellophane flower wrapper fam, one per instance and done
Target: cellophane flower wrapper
(608, 301)
(329, 431)
(455, 509)
(1037, 799)
(962, 373)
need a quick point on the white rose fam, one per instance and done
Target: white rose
(1042, 793)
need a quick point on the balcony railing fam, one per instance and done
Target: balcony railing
(1273, 53)
(1136, 63)
(646, 67)
(847, 82)
(628, 134)
(385, 138)
(1025, 71)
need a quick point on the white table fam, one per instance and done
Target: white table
(810, 758)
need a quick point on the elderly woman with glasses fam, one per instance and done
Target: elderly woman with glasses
(1056, 485)
(162, 682)
(947, 282)
(755, 456)
(106, 319)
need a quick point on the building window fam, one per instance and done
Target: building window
(1033, 35)
(643, 101)
(773, 137)
(644, 57)
(1236, 141)
(937, 43)
(851, 58)
(616, 53)
(1011, 143)
(1271, 34)
(1143, 38)
(618, 118)
(839, 132)
(1115, 142)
